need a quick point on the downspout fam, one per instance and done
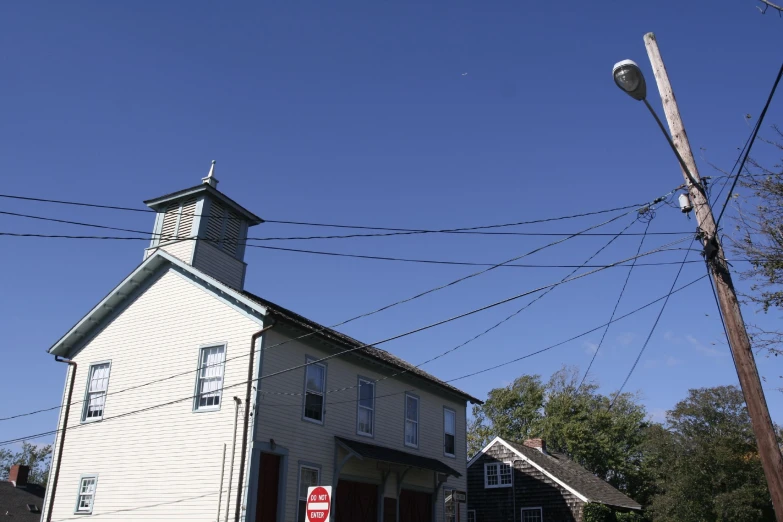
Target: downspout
(62, 437)
(242, 455)
(237, 403)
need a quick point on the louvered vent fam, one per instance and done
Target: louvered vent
(186, 219)
(231, 233)
(215, 223)
(170, 218)
(178, 221)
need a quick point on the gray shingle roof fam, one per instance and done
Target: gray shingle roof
(577, 477)
(14, 501)
(369, 351)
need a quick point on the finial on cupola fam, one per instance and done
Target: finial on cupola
(211, 180)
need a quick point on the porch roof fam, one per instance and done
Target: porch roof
(363, 450)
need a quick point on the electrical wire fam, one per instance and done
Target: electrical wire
(304, 223)
(614, 311)
(496, 325)
(386, 307)
(175, 237)
(649, 335)
(346, 351)
(339, 254)
(750, 145)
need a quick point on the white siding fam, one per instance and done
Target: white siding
(169, 456)
(280, 418)
(215, 263)
(182, 250)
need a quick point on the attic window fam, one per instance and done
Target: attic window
(32, 508)
(497, 475)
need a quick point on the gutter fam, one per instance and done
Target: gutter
(62, 437)
(246, 421)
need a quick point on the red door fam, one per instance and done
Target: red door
(356, 502)
(268, 481)
(415, 506)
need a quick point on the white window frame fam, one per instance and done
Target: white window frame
(359, 407)
(78, 510)
(310, 361)
(540, 513)
(299, 498)
(499, 466)
(415, 422)
(472, 512)
(88, 394)
(197, 395)
(445, 432)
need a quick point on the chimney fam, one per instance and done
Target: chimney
(18, 475)
(539, 444)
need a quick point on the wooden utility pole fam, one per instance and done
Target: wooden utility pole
(769, 452)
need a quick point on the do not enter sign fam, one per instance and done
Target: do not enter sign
(319, 500)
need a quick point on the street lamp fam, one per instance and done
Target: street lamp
(629, 77)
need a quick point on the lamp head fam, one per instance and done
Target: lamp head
(630, 79)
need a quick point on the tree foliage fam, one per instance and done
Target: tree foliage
(575, 421)
(702, 465)
(705, 464)
(758, 237)
(37, 458)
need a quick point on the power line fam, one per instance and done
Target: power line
(496, 325)
(649, 336)
(337, 254)
(169, 237)
(614, 311)
(386, 307)
(347, 351)
(750, 145)
(588, 332)
(304, 223)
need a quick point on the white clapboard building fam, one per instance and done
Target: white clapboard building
(169, 420)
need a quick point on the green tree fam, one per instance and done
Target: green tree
(37, 458)
(758, 237)
(705, 465)
(577, 422)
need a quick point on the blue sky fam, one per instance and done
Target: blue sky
(398, 114)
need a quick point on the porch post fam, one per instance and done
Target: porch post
(400, 478)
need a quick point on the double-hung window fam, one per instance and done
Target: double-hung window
(365, 421)
(315, 387)
(471, 515)
(497, 475)
(411, 420)
(209, 384)
(308, 477)
(532, 515)
(97, 384)
(86, 496)
(449, 432)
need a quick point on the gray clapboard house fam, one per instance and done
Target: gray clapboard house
(513, 482)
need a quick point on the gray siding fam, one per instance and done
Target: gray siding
(216, 263)
(280, 418)
(531, 488)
